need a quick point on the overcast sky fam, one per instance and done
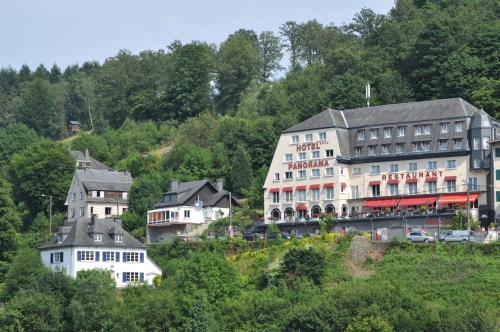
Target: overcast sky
(74, 31)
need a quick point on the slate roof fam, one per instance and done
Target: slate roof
(73, 122)
(79, 233)
(421, 111)
(94, 179)
(94, 163)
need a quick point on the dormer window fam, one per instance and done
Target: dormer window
(361, 135)
(459, 126)
(125, 195)
(97, 237)
(118, 238)
(60, 238)
(387, 132)
(373, 133)
(422, 129)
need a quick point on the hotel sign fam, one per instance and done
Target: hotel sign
(309, 164)
(412, 175)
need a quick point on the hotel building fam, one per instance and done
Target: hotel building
(412, 157)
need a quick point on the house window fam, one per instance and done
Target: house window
(322, 136)
(458, 143)
(497, 152)
(373, 133)
(476, 163)
(451, 186)
(73, 197)
(82, 212)
(393, 168)
(328, 193)
(302, 195)
(118, 238)
(276, 176)
(412, 166)
(97, 237)
(315, 172)
(295, 139)
(108, 256)
(315, 194)
(497, 173)
(60, 238)
(432, 187)
(400, 147)
(486, 142)
(187, 214)
(329, 153)
(422, 129)
(421, 146)
(99, 193)
(341, 170)
(375, 190)
(401, 131)
(432, 164)
(58, 257)
(72, 213)
(302, 174)
(375, 169)
(309, 137)
(358, 151)
(473, 184)
(372, 149)
(107, 211)
(288, 175)
(276, 197)
(288, 157)
(412, 188)
(443, 127)
(87, 256)
(81, 195)
(387, 132)
(452, 163)
(497, 194)
(459, 127)
(94, 193)
(315, 154)
(288, 196)
(476, 143)
(302, 156)
(356, 171)
(132, 257)
(329, 171)
(393, 189)
(361, 135)
(443, 144)
(132, 276)
(354, 192)
(386, 148)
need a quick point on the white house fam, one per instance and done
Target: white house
(187, 210)
(93, 243)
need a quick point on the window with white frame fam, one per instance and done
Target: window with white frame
(118, 238)
(356, 171)
(302, 156)
(187, 214)
(373, 133)
(401, 131)
(329, 153)
(393, 189)
(97, 237)
(444, 127)
(72, 213)
(421, 146)
(315, 194)
(132, 257)
(329, 193)
(412, 188)
(276, 176)
(354, 192)
(329, 171)
(387, 132)
(315, 173)
(393, 168)
(82, 211)
(443, 144)
(309, 137)
(412, 166)
(87, 256)
(58, 257)
(288, 175)
(301, 195)
(386, 148)
(108, 256)
(476, 163)
(375, 190)
(132, 276)
(459, 126)
(60, 238)
(295, 139)
(486, 142)
(432, 187)
(81, 195)
(315, 154)
(288, 196)
(322, 135)
(452, 163)
(372, 150)
(358, 151)
(301, 174)
(400, 147)
(473, 184)
(288, 157)
(360, 135)
(458, 143)
(375, 169)
(275, 197)
(476, 143)
(432, 164)
(424, 129)
(451, 186)
(73, 197)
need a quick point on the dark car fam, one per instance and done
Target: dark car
(275, 235)
(252, 236)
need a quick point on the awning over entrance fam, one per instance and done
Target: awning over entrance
(300, 188)
(288, 189)
(314, 186)
(411, 180)
(328, 185)
(457, 198)
(393, 181)
(274, 190)
(374, 183)
(417, 201)
(387, 202)
(433, 179)
(449, 178)
(301, 207)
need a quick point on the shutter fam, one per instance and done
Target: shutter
(124, 277)
(62, 257)
(97, 256)
(124, 257)
(142, 276)
(141, 257)
(51, 258)
(104, 256)
(117, 256)
(78, 255)
(497, 174)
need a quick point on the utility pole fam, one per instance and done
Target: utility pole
(468, 210)
(230, 223)
(50, 212)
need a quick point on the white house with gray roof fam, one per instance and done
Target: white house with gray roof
(93, 243)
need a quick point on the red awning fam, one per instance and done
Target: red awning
(411, 180)
(300, 188)
(433, 179)
(457, 198)
(328, 185)
(274, 190)
(417, 201)
(387, 202)
(314, 186)
(392, 181)
(343, 184)
(288, 189)
(301, 207)
(450, 177)
(374, 183)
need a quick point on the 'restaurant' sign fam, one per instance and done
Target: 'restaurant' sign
(412, 175)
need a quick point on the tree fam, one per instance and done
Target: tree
(290, 30)
(270, 51)
(307, 263)
(55, 74)
(365, 22)
(14, 138)
(240, 175)
(255, 191)
(24, 272)
(10, 221)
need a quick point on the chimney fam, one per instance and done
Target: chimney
(219, 184)
(118, 221)
(87, 154)
(93, 219)
(174, 185)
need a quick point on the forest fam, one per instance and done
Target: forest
(199, 110)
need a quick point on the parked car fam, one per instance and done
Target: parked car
(456, 236)
(252, 236)
(275, 235)
(419, 237)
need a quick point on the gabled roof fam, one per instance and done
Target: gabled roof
(80, 233)
(94, 163)
(94, 179)
(74, 122)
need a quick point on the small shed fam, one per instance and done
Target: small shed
(74, 127)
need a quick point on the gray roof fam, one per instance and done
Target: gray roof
(74, 122)
(94, 179)
(430, 110)
(80, 233)
(94, 164)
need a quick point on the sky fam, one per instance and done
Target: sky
(67, 32)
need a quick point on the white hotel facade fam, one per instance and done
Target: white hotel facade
(406, 157)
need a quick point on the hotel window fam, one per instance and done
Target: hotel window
(328, 193)
(82, 211)
(341, 170)
(443, 144)
(497, 152)
(301, 195)
(322, 136)
(422, 129)
(451, 186)
(458, 143)
(288, 196)
(375, 169)
(452, 163)
(276, 176)
(288, 157)
(356, 171)
(329, 171)
(443, 127)
(187, 214)
(421, 146)
(97, 237)
(387, 132)
(358, 151)
(386, 148)
(412, 188)
(432, 187)
(401, 131)
(309, 137)
(432, 164)
(412, 166)
(354, 192)
(315, 154)
(459, 127)
(295, 139)
(360, 135)
(375, 190)
(302, 156)
(372, 149)
(497, 194)
(476, 163)
(288, 175)
(473, 184)
(373, 133)
(315, 173)
(315, 194)
(486, 144)
(476, 143)
(393, 168)
(302, 174)
(276, 197)
(329, 153)
(400, 147)
(393, 189)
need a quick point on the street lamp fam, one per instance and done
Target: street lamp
(50, 211)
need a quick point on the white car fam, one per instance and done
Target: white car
(419, 237)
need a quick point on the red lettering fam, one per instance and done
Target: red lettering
(304, 165)
(310, 164)
(326, 163)
(427, 175)
(321, 163)
(434, 174)
(290, 166)
(440, 173)
(421, 175)
(384, 177)
(414, 175)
